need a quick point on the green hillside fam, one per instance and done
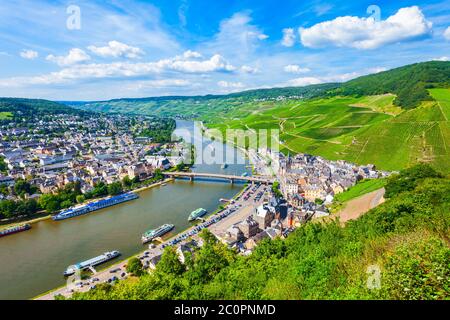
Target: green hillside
(12, 107)
(340, 128)
(392, 119)
(408, 83)
(405, 239)
(200, 106)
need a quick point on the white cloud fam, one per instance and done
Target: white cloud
(377, 69)
(237, 37)
(444, 58)
(447, 33)
(367, 33)
(288, 37)
(161, 83)
(191, 55)
(117, 49)
(294, 68)
(29, 54)
(343, 77)
(123, 69)
(75, 56)
(303, 81)
(215, 63)
(230, 85)
(248, 69)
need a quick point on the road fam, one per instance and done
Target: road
(358, 206)
(239, 210)
(245, 209)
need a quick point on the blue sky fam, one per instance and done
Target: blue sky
(96, 50)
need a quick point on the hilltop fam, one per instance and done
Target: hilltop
(392, 119)
(409, 84)
(12, 107)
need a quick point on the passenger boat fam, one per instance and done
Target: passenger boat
(91, 262)
(154, 233)
(94, 206)
(8, 231)
(198, 213)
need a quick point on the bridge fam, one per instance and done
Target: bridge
(231, 178)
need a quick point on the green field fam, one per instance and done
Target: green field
(392, 119)
(6, 115)
(341, 128)
(360, 189)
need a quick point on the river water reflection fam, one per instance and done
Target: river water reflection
(32, 262)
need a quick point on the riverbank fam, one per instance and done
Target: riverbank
(104, 273)
(35, 219)
(153, 185)
(51, 247)
(45, 216)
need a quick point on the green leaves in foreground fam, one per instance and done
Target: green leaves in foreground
(406, 239)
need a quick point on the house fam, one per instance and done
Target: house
(154, 261)
(314, 192)
(251, 243)
(183, 251)
(264, 216)
(234, 234)
(9, 181)
(249, 227)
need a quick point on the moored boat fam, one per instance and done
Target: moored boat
(150, 235)
(12, 230)
(198, 213)
(94, 206)
(92, 262)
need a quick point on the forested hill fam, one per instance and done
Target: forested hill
(33, 107)
(408, 83)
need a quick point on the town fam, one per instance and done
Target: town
(51, 152)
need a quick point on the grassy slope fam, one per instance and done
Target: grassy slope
(364, 126)
(360, 189)
(406, 238)
(5, 115)
(361, 130)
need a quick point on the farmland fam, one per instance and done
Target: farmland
(5, 115)
(363, 130)
(360, 189)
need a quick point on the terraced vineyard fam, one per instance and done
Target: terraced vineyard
(362, 130)
(391, 119)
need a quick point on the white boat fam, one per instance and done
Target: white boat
(91, 262)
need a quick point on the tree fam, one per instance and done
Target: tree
(169, 263)
(409, 178)
(127, 182)
(22, 187)
(115, 188)
(49, 202)
(276, 189)
(158, 174)
(135, 267)
(80, 198)
(99, 190)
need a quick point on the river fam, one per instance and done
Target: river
(32, 262)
